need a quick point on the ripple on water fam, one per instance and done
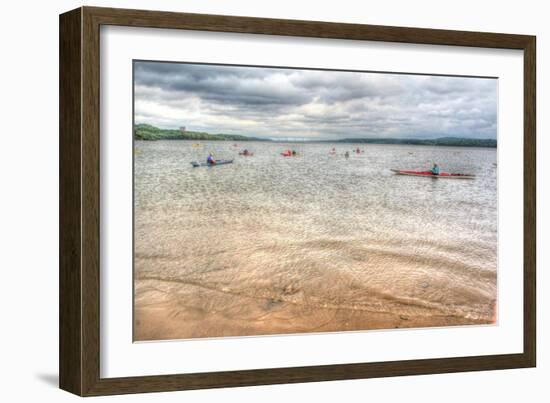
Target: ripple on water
(273, 239)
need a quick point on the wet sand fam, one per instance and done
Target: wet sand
(318, 286)
(195, 311)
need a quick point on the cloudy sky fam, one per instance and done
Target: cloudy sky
(314, 104)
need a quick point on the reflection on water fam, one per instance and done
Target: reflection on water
(315, 242)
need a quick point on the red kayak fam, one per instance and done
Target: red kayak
(446, 175)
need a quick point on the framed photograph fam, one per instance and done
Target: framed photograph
(249, 201)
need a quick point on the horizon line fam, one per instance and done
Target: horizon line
(318, 139)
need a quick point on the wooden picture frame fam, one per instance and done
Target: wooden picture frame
(79, 348)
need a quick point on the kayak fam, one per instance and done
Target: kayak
(429, 174)
(205, 164)
(246, 155)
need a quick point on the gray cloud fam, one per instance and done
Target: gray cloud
(271, 102)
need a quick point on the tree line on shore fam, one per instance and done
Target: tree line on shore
(148, 132)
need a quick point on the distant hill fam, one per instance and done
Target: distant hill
(147, 132)
(442, 141)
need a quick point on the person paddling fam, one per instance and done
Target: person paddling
(210, 160)
(435, 169)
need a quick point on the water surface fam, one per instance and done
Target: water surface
(310, 243)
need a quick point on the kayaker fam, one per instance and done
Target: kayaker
(210, 160)
(435, 169)
(293, 153)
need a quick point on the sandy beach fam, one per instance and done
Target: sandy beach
(185, 311)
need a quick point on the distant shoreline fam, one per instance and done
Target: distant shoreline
(151, 133)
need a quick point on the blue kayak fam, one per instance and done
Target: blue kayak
(206, 164)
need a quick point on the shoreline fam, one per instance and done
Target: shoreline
(327, 142)
(147, 132)
(190, 311)
(339, 143)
